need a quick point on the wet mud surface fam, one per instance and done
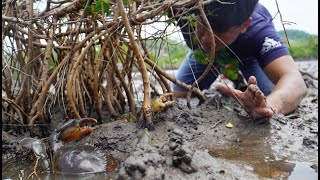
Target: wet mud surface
(196, 144)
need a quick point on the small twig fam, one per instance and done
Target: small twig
(282, 22)
(217, 123)
(218, 104)
(178, 117)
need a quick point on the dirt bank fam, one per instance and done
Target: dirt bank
(196, 144)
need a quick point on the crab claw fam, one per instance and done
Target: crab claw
(75, 129)
(162, 103)
(164, 96)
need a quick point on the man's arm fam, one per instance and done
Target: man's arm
(289, 90)
(290, 87)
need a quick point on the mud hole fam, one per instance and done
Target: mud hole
(196, 144)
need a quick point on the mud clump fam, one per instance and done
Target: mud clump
(144, 163)
(149, 161)
(181, 152)
(309, 143)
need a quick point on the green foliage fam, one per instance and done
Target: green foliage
(96, 52)
(126, 2)
(53, 59)
(96, 7)
(229, 64)
(302, 45)
(295, 35)
(191, 18)
(171, 53)
(200, 56)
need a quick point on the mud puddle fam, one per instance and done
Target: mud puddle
(22, 170)
(252, 152)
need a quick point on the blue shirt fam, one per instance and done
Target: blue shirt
(260, 41)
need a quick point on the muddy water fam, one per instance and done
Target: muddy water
(253, 152)
(22, 170)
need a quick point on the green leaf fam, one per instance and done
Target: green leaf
(193, 23)
(229, 64)
(99, 4)
(126, 2)
(230, 71)
(88, 10)
(200, 56)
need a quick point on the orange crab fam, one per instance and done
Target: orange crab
(71, 130)
(162, 103)
(75, 129)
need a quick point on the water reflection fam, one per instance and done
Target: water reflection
(14, 169)
(24, 173)
(252, 150)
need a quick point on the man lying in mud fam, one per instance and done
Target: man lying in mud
(275, 85)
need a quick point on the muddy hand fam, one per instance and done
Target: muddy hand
(74, 129)
(252, 99)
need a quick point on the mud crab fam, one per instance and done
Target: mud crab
(67, 159)
(162, 103)
(70, 131)
(158, 105)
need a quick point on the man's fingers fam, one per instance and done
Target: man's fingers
(262, 112)
(229, 91)
(253, 88)
(259, 98)
(252, 80)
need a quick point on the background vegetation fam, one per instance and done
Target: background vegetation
(302, 46)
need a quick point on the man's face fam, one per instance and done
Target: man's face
(221, 39)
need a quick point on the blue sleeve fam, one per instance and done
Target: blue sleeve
(268, 45)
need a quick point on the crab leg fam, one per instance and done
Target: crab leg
(169, 103)
(164, 96)
(35, 169)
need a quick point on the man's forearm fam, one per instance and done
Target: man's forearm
(288, 93)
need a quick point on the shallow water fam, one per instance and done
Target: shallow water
(268, 168)
(23, 169)
(15, 169)
(252, 151)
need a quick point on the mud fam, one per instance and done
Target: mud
(196, 144)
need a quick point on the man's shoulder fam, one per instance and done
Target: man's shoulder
(261, 11)
(260, 19)
(261, 26)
